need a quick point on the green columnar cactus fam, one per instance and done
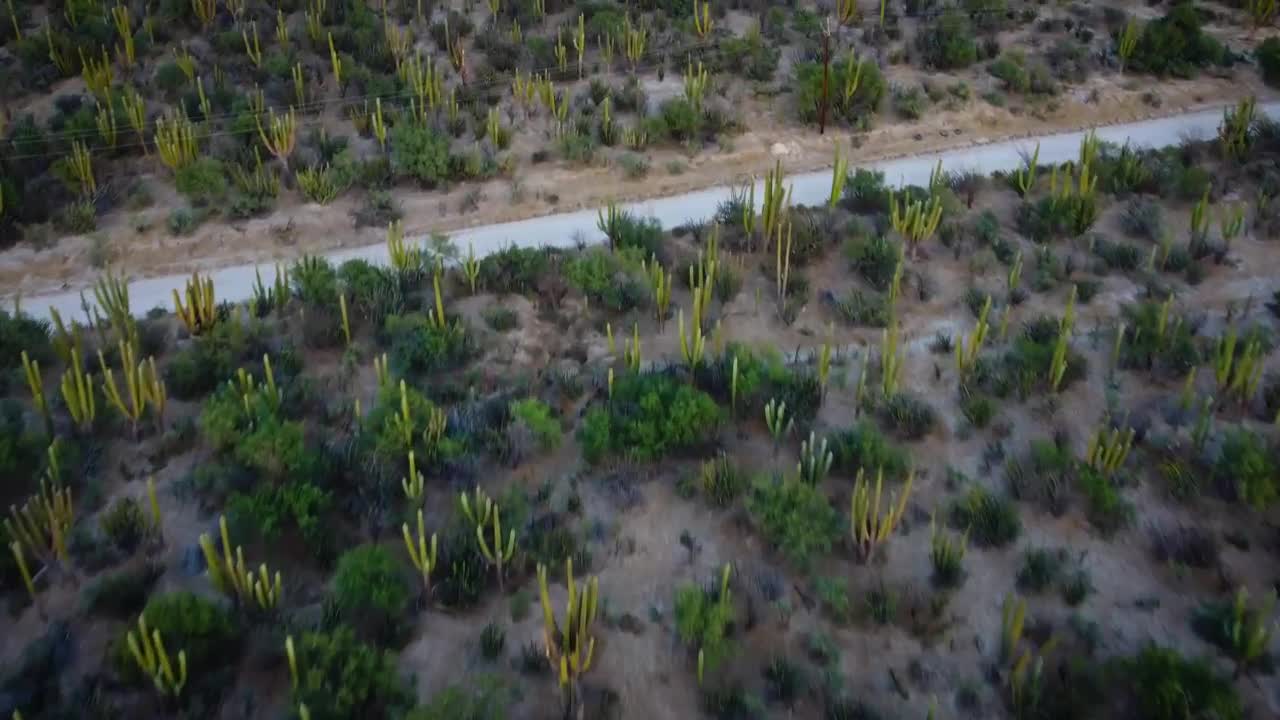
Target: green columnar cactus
(967, 350)
(733, 388)
(43, 522)
(157, 519)
(634, 41)
(402, 422)
(815, 460)
(77, 393)
(1249, 630)
(782, 260)
(915, 220)
(497, 554)
(702, 20)
(852, 78)
(234, 579)
(824, 362)
(1235, 134)
(749, 209)
(1058, 364)
(20, 558)
(569, 644)
(890, 360)
(112, 295)
(661, 285)
(631, 354)
(148, 651)
(175, 141)
(335, 63)
(252, 45)
(35, 383)
(692, 343)
(774, 201)
(281, 134)
(580, 42)
(695, 85)
(1200, 433)
(437, 316)
(414, 483)
(1012, 617)
(839, 173)
(200, 311)
(1108, 449)
(1127, 42)
(1024, 178)
(421, 553)
(869, 527)
(134, 402)
(777, 420)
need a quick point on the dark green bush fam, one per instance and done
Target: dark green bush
(1167, 686)
(948, 43)
(419, 347)
(1246, 465)
(514, 270)
(1176, 44)
(606, 278)
(340, 677)
(909, 416)
(488, 700)
(122, 594)
(875, 259)
(203, 181)
(866, 192)
(749, 57)
(795, 518)
(703, 622)
(864, 447)
(124, 524)
(1107, 509)
(420, 153)
(20, 333)
(269, 510)
(862, 308)
(206, 631)
(856, 112)
(1173, 351)
(370, 590)
(991, 520)
(649, 416)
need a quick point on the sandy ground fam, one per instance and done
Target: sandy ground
(139, 245)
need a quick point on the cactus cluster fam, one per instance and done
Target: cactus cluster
(1238, 371)
(422, 553)
(1108, 449)
(777, 420)
(1235, 134)
(869, 526)
(915, 220)
(815, 460)
(484, 513)
(147, 649)
(233, 578)
(200, 311)
(967, 350)
(570, 647)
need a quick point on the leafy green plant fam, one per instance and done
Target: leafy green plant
(203, 629)
(492, 639)
(649, 416)
(370, 589)
(704, 618)
(863, 446)
(948, 43)
(990, 520)
(794, 517)
(1107, 509)
(1245, 463)
(536, 416)
(339, 677)
(1170, 687)
(1241, 631)
(722, 482)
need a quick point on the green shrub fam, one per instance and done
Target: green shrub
(991, 520)
(513, 269)
(269, 510)
(866, 192)
(536, 416)
(722, 482)
(909, 416)
(862, 308)
(875, 259)
(909, 102)
(1268, 56)
(1173, 352)
(679, 120)
(420, 347)
(315, 282)
(606, 278)
(948, 42)
(206, 631)
(749, 57)
(203, 181)
(649, 416)
(1143, 218)
(866, 100)
(1245, 464)
(19, 333)
(1169, 687)
(124, 524)
(419, 152)
(1176, 44)
(340, 677)
(370, 590)
(864, 447)
(703, 622)
(1041, 569)
(1107, 509)
(795, 518)
(492, 639)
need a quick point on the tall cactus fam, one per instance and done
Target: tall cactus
(868, 526)
(496, 553)
(1024, 178)
(133, 402)
(967, 350)
(200, 311)
(280, 135)
(35, 383)
(148, 651)
(175, 140)
(915, 220)
(890, 360)
(774, 201)
(1127, 42)
(77, 393)
(839, 173)
(1108, 449)
(692, 343)
(777, 420)
(422, 553)
(414, 483)
(702, 20)
(234, 579)
(634, 41)
(570, 647)
(815, 460)
(43, 522)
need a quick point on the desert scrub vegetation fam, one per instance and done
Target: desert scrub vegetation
(313, 503)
